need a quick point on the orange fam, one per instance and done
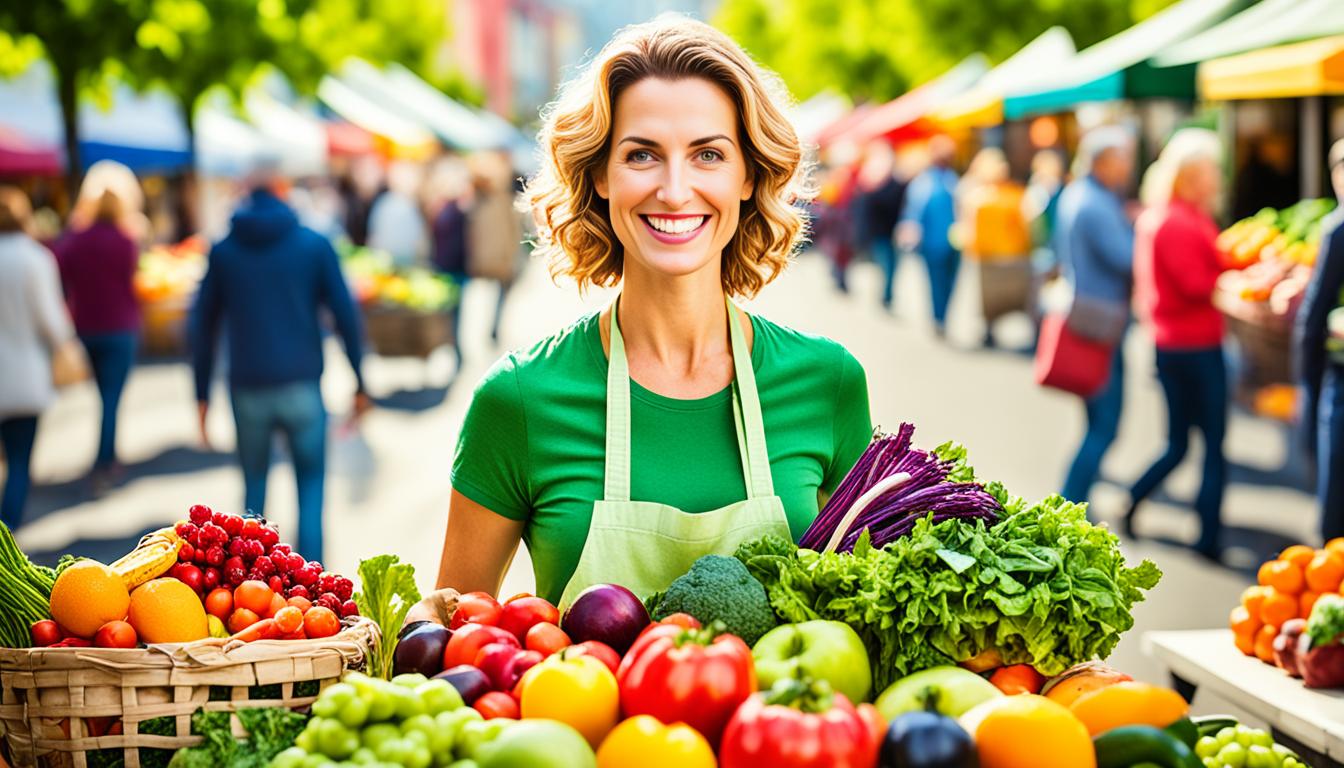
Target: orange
(320, 622)
(1131, 703)
(1262, 575)
(277, 602)
(1253, 599)
(1285, 577)
(1264, 643)
(219, 603)
(1325, 571)
(1244, 643)
(1278, 608)
(1336, 545)
(1242, 622)
(242, 619)
(1306, 602)
(255, 596)
(1009, 732)
(167, 611)
(1298, 554)
(87, 595)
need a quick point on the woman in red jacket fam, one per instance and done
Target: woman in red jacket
(1175, 268)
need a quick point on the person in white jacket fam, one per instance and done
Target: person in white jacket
(33, 322)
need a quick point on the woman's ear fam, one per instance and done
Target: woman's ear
(600, 182)
(748, 188)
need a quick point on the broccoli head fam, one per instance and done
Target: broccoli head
(719, 588)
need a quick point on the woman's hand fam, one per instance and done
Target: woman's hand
(437, 606)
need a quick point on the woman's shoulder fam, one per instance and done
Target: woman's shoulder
(801, 351)
(551, 361)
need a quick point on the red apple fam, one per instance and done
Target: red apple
(469, 639)
(496, 661)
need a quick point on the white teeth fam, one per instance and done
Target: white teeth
(675, 226)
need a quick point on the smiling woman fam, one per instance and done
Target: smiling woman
(670, 425)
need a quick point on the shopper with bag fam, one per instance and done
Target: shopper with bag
(98, 265)
(34, 332)
(1176, 266)
(927, 216)
(1322, 374)
(1095, 242)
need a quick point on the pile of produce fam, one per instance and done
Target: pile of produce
(375, 282)
(1041, 586)
(170, 272)
(1269, 256)
(215, 575)
(1293, 617)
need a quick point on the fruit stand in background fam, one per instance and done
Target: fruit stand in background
(1269, 259)
(406, 310)
(165, 283)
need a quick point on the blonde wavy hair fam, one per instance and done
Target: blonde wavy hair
(574, 226)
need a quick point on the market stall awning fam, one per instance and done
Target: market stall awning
(226, 146)
(1119, 67)
(1265, 24)
(1313, 68)
(404, 137)
(19, 156)
(299, 137)
(890, 119)
(143, 131)
(982, 106)
(405, 94)
(813, 116)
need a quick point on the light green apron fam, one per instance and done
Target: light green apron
(644, 545)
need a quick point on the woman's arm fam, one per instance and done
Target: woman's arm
(477, 549)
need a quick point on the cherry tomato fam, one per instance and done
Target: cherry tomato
(604, 653)
(253, 595)
(524, 613)
(45, 633)
(219, 603)
(496, 704)
(302, 603)
(547, 638)
(684, 620)
(288, 620)
(115, 634)
(251, 528)
(476, 608)
(320, 622)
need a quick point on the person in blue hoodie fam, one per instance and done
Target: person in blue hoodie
(267, 285)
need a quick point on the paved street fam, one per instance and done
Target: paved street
(389, 483)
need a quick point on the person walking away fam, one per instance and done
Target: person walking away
(1321, 374)
(396, 224)
(834, 222)
(1176, 266)
(994, 230)
(449, 256)
(33, 323)
(268, 282)
(494, 227)
(877, 208)
(927, 216)
(1095, 242)
(97, 265)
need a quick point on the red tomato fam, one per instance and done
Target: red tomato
(241, 619)
(255, 596)
(475, 608)
(302, 603)
(45, 633)
(602, 652)
(684, 620)
(877, 724)
(547, 638)
(496, 704)
(219, 603)
(468, 641)
(288, 620)
(115, 634)
(1017, 679)
(520, 615)
(320, 622)
(773, 730)
(698, 678)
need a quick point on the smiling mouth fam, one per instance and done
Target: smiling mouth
(674, 229)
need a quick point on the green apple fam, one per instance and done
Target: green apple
(821, 650)
(538, 744)
(947, 690)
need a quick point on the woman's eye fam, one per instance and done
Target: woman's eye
(639, 156)
(710, 156)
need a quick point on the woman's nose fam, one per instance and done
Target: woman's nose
(675, 190)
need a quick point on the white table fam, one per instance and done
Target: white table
(1310, 721)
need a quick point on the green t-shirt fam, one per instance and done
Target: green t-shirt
(533, 444)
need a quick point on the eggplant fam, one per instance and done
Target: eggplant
(927, 740)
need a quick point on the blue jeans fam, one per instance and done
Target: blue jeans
(942, 277)
(295, 410)
(16, 436)
(1103, 424)
(1195, 383)
(1330, 453)
(884, 253)
(111, 356)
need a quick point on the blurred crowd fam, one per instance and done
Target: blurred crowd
(1072, 251)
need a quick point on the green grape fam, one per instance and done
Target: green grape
(1207, 746)
(1226, 736)
(1212, 762)
(1262, 757)
(1232, 755)
(1245, 736)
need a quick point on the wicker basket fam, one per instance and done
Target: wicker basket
(1263, 338)
(400, 332)
(53, 698)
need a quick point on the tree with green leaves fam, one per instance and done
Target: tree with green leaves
(879, 50)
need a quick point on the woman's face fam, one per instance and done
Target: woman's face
(676, 175)
(1200, 183)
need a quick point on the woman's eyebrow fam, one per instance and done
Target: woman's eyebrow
(655, 145)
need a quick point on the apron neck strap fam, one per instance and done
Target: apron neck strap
(747, 420)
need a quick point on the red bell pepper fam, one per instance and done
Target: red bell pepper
(680, 675)
(798, 724)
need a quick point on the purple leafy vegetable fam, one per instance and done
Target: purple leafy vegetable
(891, 486)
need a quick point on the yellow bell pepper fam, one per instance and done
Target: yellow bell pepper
(644, 742)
